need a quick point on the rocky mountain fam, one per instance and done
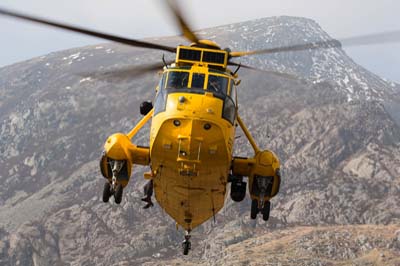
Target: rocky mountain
(335, 128)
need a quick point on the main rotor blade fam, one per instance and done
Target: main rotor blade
(123, 73)
(275, 73)
(186, 31)
(378, 38)
(88, 32)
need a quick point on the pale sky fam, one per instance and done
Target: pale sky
(149, 18)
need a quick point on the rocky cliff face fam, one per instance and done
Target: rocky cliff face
(335, 129)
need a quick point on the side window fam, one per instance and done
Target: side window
(161, 97)
(217, 84)
(198, 81)
(233, 91)
(177, 80)
(160, 101)
(161, 84)
(229, 111)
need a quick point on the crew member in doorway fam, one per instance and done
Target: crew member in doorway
(148, 192)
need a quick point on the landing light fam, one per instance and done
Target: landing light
(177, 123)
(207, 126)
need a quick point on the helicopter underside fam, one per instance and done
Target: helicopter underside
(190, 200)
(191, 169)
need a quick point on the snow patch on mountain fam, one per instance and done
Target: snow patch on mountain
(330, 65)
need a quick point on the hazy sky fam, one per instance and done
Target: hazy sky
(150, 18)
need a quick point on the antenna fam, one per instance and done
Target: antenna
(237, 69)
(163, 59)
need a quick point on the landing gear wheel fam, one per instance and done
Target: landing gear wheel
(186, 247)
(254, 209)
(266, 210)
(106, 191)
(238, 191)
(118, 194)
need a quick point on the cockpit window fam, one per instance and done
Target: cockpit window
(217, 84)
(177, 80)
(198, 81)
(233, 91)
(162, 81)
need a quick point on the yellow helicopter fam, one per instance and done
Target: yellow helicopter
(192, 134)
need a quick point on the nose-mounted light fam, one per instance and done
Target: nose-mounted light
(177, 123)
(207, 126)
(181, 99)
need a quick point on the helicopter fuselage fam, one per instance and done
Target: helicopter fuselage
(191, 153)
(191, 146)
